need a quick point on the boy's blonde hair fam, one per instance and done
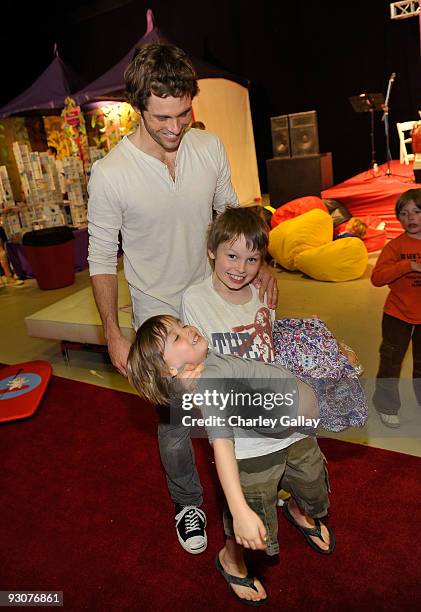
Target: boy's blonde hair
(147, 371)
(239, 221)
(357, 226)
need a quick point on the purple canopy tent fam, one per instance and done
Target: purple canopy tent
(110, 86)
(49, 90)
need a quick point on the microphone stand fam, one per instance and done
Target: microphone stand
(370, 102)
(385, 118)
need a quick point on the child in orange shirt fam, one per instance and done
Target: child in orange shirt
(399, 266)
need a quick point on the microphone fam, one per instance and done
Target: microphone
(392, 77)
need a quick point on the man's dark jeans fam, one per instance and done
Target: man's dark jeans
(177, 456)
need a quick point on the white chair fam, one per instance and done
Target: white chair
(405, 138)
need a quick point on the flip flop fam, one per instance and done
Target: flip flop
(312, 531)
(248, 581)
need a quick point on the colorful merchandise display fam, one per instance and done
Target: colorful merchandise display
(6, 193)
(77, 194)
(9, 218)
(75, 130)
(40, 184)
(54, 191)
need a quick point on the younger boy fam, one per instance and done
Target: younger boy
(399, 266)
(163, 349)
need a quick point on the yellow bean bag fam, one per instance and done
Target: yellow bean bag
(306, 231)
(341, 260)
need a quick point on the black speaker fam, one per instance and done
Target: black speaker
(295, 177)
(280, 136)
(304, 134)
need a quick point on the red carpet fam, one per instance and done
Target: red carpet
(84, 510)
(366, 194)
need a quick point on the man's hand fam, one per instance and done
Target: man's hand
(105, 288)
(118, 349)
(416, 267)
(249, 529)
(266, 283)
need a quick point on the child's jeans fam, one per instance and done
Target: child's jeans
(397, 335)
(300, 469)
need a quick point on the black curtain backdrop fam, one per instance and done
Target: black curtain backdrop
(298, 57)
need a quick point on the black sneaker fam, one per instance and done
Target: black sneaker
(190, 523)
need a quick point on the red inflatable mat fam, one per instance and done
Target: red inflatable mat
(22, 386)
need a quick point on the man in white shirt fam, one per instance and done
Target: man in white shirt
(158, 187)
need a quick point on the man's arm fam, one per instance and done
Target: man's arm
(248, 527)
(267, 285)
(104, 223)
(105, 289)
(224, 192)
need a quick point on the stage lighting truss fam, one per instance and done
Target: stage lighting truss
(403, 10)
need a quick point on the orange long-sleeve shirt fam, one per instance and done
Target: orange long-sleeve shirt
(393, 268)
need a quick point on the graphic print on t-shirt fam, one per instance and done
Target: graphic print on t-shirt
(413, 277)
(253, 340)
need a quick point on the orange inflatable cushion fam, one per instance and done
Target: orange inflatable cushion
(296, 207)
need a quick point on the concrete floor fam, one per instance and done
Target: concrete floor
(352, 310)
(16, 345)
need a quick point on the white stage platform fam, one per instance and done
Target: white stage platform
(76, 318)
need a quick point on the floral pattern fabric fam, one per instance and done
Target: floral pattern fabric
(308, 349)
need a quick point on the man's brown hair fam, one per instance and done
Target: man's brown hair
(147, 371)
(239, 221)
(161, 69)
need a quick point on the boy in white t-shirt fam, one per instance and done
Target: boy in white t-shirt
(226, 309)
